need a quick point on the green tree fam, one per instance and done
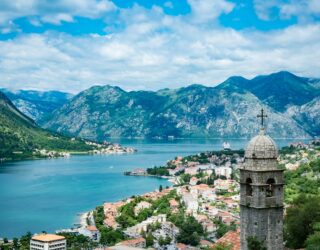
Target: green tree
(300, 221)
(149, 240)
(313, 242)
(255, 244)
(15, 243)
(222, 246)
(190, 230)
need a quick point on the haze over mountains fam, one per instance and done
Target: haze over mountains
(227, 110)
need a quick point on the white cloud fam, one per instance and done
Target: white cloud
(155, 50)
(53, 11)
(304, 10)
(206, 10)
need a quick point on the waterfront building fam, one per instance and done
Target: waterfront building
(48, 242)
(90, 231)
(261, 193)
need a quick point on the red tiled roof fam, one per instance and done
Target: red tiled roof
(132, 241)
(181, 246)
(231, 237)
(92, 228)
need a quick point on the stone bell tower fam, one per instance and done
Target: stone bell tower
(261, 192)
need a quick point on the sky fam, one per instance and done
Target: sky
(70, 45)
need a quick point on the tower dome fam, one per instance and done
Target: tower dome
(261, 147)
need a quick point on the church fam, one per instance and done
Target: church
(261, 193)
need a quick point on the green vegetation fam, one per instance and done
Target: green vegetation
(190, 229)
(109, 236)
(222, 246)
(76, 242)
(223, 228)
(20, 136)
(302, 221)
(160, 171)
(159, 206)
(304, 180)
(255, 244)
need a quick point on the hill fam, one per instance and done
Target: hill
(37, 104)
(20, 137)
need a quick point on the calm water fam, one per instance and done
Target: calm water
(48, 194)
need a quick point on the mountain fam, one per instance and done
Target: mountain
(307, 115)
(278, 90)
(20, 136)
(37, 104)
(193, 111)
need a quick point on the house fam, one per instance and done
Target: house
(191, 170)
(231, 238)
(174, 204)
(136, 230)
(224, 171)
(48, 242)
(138, 242)
(193, 181)
(205, 243)
(191, 203)
(90, 231)
(140, 206)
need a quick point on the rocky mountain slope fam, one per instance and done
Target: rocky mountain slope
(228, 110)
(37, 104)
(20, 136)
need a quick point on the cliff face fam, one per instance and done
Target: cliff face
(228, 110)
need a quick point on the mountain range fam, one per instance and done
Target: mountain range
(227, 110)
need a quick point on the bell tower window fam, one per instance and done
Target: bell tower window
(270, 187)
(248, 187)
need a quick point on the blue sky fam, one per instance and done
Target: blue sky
(71, 45)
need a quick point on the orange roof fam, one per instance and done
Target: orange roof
(173, 203)
(181, 246)
(92, 228)
(47, 237)
(132, 241)
(205, 243)
(231, 237)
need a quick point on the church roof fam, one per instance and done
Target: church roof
(261, 147)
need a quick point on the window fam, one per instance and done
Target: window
(248, 187)
(270, 187)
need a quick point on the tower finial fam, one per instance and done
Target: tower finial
(262, 116)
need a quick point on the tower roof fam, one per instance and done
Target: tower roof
(261, 147)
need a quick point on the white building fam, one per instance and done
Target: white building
(90, 231)
(225, 171)
(48, 242)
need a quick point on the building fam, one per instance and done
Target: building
(90, 231)
(138, 242)
(224, 171)
(48, 242)
(261, 193)
(230, 239)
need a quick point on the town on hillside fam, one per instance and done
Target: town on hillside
(200, 211)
